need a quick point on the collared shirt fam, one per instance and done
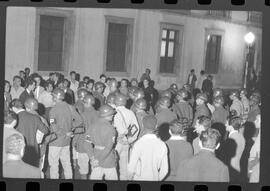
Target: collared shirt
(149, 159)
(74, 86)
(15, 94)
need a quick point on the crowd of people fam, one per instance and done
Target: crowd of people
(128, 130)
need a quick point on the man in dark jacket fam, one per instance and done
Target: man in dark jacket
(100, 145)
(201, 108)
(28, 92)
(207, 86)
(204, 166)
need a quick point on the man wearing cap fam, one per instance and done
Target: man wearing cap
(149, 156)
(182, 108)
(140, 107)
(137, 94)
(31, 126)
(203, 123)
(69, 93)
(236, 103)
(89, 116)
(99, 144)
(164, 114)
(201, 108)
(128, 129)
(14, 167)
(63, 119)
(179, 148)
(220, 114)
(98, 94)
(204, 167)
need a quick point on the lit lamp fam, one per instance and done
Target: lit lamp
(249, 39)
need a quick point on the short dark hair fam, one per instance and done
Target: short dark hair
(202, 72)
(179, 127)
(91, 81)
(102, 75)
(51, 73)
(86, 78)
(72, 72)
(47, 83)
(192, 70)
(27, 68)
(107, 79)
(210, 138)
(9, 117)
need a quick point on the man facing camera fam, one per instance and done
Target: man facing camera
(204, 166)
(14, 167)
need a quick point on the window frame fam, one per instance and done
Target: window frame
(68, 35)
(212, 31)
(178, 44)
(129, 45)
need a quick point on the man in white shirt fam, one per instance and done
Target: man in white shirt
(127, 127)
(16, 89)
(233, 126)
(149, 156)
(46, 97)
(39, 89)
(74, 84)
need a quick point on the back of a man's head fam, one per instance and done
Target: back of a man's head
(15, 144)
(210, 138)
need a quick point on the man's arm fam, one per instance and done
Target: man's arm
(164, 166)
(134, 158)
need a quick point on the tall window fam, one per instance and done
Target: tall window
(170, 49)
(50, 51)
(119, 40)
(213, 50)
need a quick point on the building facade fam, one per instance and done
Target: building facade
(123, 42)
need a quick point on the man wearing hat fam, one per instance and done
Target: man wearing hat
(98, 94)
(179, 148)
(149, 156)
(201, 108)
(127, 128)
(182, 108)
(236, 103)
(63, 119)
(89, 116)
(164, 114)
(220, 114)
(14, 167)
(99, 144)
(140, 107)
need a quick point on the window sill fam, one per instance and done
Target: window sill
(117, 74)
(172, 75)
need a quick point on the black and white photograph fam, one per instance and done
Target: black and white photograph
(132, 94)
